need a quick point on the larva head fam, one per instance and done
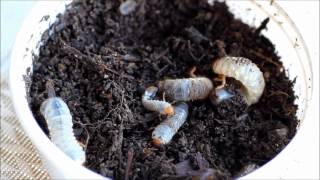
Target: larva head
(157, 142)
(169, 110)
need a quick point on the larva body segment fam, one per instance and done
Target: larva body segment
(164, 132)
(59, 121)
(162, 107)
(243, 70)
(186, 89)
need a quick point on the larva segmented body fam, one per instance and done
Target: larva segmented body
(164, 132)
(59, 121)
(162, 107)
(243, 70)
(186, 89)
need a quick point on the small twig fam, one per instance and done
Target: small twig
(177, 42)
(79, 54)
(98, 63)
(120, 141)
(163, 56)
(82, 124)
(168, 61)
(222, 122)
(221, 47)
(195, 35)
(192, 71)
(278, 93)
(269, 60)
(50, 88)
(262, 26)
(200, 161)
(162, 69)
(163, 53)
(191, 54)
(127, 76)
(129, 163)
(130, 58)
(87, 139)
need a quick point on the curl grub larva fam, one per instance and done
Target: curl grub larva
(162, 107)
(59, 121)
(186, 89)
(243, 70)
(127, 7)
(164, 132)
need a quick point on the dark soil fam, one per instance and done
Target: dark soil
(101, 62)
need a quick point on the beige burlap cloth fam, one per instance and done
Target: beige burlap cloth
(19, 158)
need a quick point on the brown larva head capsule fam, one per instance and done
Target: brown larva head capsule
(169, 110)
(186, 89)
(157, 142)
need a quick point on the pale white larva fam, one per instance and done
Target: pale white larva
(186, 89)
(164, 132)
(162, 107)
(59, 121)
(243, 70)
(127, 7)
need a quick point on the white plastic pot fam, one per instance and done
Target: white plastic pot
(281, 31)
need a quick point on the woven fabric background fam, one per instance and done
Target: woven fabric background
(19, 158)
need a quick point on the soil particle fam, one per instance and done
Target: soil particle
(101, 61)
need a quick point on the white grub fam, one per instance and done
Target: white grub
(246, 72)
(162, 107)
(219, 95)
(164, 132)
(247, 169)
(186, 89)
(127, 7)
(59, 121)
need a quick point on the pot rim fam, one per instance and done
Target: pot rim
(46, 148)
